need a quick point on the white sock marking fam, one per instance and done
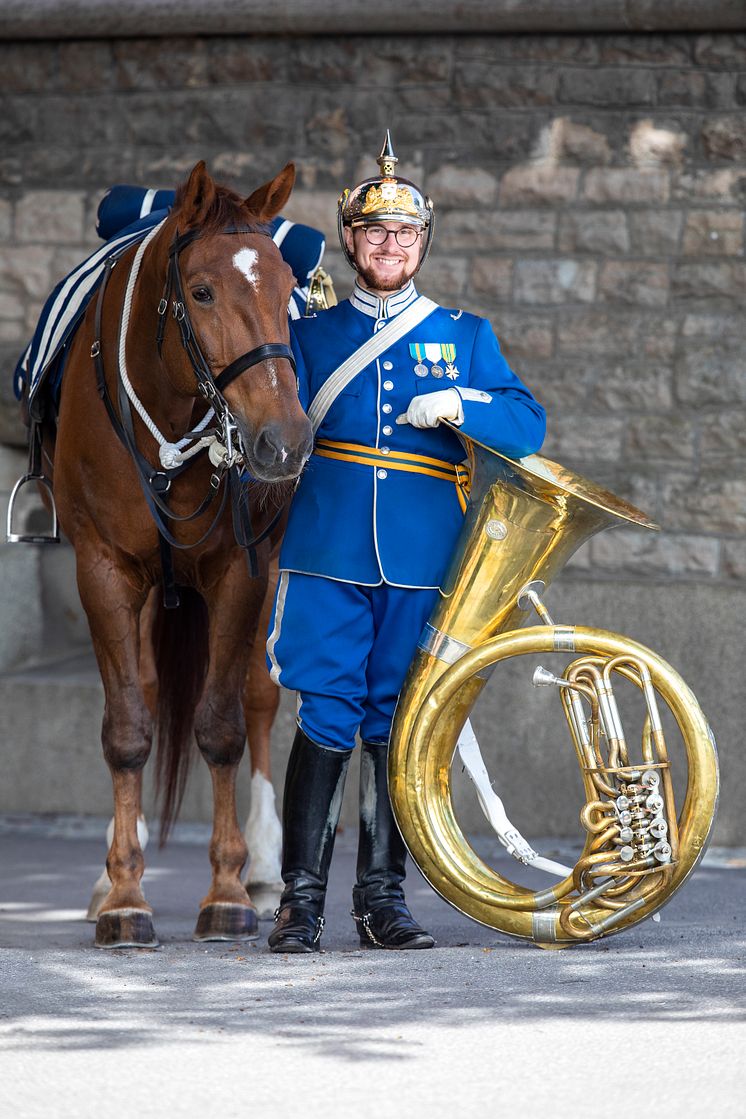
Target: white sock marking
(263, 833)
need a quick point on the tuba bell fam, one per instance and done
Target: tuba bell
(524, 520)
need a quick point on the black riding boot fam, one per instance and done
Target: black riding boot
(310, 812)
(378, 905)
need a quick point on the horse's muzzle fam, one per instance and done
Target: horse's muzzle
(278, 451)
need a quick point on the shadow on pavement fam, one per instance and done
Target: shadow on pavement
(60, 993)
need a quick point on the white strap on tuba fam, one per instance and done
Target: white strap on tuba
(494, 809)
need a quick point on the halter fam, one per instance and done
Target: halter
(223, 442)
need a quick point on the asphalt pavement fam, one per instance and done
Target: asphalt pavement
(649, 1021)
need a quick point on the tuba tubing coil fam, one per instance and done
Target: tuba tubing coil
(419, 784)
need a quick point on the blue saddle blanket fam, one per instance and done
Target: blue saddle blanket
(43, 360)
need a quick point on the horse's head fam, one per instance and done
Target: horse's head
(235, 288)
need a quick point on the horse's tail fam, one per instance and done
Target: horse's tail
(180, 645)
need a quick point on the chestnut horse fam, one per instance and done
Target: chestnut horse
(195, 316)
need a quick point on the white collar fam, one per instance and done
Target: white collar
(377, 308)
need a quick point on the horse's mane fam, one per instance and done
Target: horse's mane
(226, 208)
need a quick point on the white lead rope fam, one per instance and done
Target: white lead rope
(170, 454)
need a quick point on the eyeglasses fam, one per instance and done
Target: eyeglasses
(405, 235)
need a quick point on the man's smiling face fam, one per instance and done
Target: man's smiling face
(386, 267)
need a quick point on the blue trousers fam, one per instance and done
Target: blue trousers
(345, 649)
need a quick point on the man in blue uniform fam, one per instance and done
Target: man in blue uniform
(371, 530)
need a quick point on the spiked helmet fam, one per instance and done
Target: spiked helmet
(385, 197)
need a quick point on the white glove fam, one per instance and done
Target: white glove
(430, 408)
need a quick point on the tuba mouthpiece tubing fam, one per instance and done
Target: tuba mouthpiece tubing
(542, 677)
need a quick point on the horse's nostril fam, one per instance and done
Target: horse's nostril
(280, 450)
(269, 447)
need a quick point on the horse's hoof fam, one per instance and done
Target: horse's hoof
(125, 928)
(266, 897)
(224, 920)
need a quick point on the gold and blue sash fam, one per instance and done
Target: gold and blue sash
(399, 460)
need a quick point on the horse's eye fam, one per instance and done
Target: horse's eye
(202, 295)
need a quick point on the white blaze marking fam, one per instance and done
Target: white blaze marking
(245, 260)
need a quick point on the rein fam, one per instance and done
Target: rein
(226, 452)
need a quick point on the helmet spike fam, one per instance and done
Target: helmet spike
(387, 161)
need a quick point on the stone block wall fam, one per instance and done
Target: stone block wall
(589, 193)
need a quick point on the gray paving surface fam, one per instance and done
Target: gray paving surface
(649, 1021)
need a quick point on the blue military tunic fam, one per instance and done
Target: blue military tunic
(367, 544)
(366, 524)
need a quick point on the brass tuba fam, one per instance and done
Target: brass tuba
(524, 520)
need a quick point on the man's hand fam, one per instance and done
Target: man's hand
(432, 407)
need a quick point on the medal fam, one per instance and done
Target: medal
(435, 354)
(449, 353)
(417, 351)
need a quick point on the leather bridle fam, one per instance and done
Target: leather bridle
(211, 388)
(156, 481)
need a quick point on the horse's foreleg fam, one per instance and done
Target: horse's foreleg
(226, 912)
(263, 832)
(149, 684)
(113, 607)
(103, 882)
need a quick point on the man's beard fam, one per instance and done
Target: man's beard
(372, 280)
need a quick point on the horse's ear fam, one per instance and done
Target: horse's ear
(266, 202)
(196, 197)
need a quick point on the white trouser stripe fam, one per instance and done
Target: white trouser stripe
(274, 672)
